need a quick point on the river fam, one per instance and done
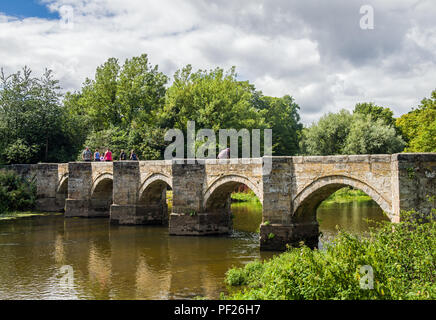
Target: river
(49, 257)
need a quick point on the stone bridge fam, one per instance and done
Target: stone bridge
(290, 189)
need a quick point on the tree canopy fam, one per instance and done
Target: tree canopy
(369, 130)
(131, 105)
(419, 126)
(32, 120)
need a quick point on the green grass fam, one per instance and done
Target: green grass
(346, 195)
(244, 197)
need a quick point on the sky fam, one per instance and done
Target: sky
(328, 55)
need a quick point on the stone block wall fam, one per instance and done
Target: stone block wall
(414, 185)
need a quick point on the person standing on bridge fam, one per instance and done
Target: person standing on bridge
(133, 156)
(224, 154)
(87, 154)
(108, 155)
(123, 155)
(96, 155)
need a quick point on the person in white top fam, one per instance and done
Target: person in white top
(224, 154)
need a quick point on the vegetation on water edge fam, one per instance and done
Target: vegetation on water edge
(244, 197)
(16, 193)
(346, 195)
(26, 214)
(402, 257)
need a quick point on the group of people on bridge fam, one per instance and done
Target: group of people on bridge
(107, 156)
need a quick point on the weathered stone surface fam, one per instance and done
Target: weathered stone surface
(199, 224)
(290, 189)
(276, 237)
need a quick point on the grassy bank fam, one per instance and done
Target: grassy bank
(403, 263)
(346, 195)
(244, 197)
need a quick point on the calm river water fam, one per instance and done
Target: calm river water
(137, 262)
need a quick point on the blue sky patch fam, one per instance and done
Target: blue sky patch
(26, 8)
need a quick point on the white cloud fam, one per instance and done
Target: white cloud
(313, 50)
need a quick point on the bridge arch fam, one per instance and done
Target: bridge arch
(219, 191)
(62, 191)
(62, 186)
(307, 201)
(100, 182)
(152, 180)
(102, 194)
(152, 202)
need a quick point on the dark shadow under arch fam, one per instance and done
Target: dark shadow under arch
(62, 192)
(152, 202)
(102, 196)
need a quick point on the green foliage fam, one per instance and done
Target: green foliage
(369, 136)
(16, 194)
(248, 196)
(19, 152)
(419, 126)
(128, 106)
(283, 118)
(124, 101)
(328, 136)
(213, 99)
(32, 121)
(119, 94)
(114, 138)
(376, 112)
(401, 255)
(358, 133)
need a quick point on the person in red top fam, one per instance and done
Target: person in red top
(108, 155)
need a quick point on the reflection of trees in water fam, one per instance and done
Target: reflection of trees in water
(354, 217)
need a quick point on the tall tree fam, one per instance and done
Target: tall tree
(419, 126)
(282, 117)
(376, 112)
(328, 135)
(345, 133)
(119, 94)
(214, 99)
(30, 117)
(369, 136)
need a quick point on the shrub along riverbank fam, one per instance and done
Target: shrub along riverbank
(16, 193)
(402, 257)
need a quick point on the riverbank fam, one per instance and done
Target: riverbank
(26, 214)
(346, 195)
(401, 262)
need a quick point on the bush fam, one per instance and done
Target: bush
(401, 255)
(16, 193)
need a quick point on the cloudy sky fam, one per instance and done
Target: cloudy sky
(313, 50)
